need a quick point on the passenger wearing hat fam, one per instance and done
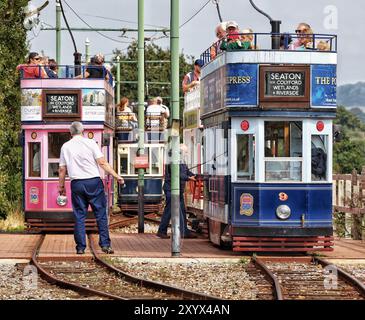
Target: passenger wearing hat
(192, 79)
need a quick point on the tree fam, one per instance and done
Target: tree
(13, 49)
(349, 154)
(156, 72)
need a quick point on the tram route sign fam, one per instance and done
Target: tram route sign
(61, 104)
(285, 86)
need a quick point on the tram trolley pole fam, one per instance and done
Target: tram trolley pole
(175, 132)
(58, 32)
(141, 79)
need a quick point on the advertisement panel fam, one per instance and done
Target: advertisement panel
(324, 85)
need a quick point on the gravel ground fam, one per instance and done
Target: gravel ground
(15, 286)
(227, 280)
(148, 228)
(355, 269)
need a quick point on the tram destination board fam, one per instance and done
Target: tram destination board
(284, 86)
(61, 104)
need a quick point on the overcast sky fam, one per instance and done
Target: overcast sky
(198, 34)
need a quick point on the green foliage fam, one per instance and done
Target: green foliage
(154, 72)
(13, 49)
(349, 154)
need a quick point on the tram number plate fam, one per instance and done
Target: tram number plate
(284, 84)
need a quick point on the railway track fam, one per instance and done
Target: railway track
(99, 279)
(309, 278)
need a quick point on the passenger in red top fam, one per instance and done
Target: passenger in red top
(33, 69)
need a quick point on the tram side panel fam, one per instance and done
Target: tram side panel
(47, 113)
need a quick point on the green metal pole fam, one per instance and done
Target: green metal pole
(175, 132)
(118, 79)
(87, 50)
(58, 32)
(141, 80)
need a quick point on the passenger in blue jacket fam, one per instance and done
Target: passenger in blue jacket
(185, 175)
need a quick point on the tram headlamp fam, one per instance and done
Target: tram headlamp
(283, 212)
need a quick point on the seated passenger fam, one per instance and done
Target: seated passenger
(34, 68)
(247, 40)
(232, 40)
(95, 69)
(305, 39)
(323, 46)
(285, 41)
(128, 119)
(220, 32)
(156, 113)
(52, 69)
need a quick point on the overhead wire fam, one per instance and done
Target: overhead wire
(195, 14)
(91, 27)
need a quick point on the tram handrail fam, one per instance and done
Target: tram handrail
(330, 39)
(66, 72)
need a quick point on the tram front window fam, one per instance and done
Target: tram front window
(55, 143)
(319, 157)
(283, 151)
(133, 155)
(245, 157)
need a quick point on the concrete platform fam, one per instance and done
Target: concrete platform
(62, 247)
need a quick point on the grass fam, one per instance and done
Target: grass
(13, 222)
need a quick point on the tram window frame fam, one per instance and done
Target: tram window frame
(52, 158)
(282, 154)
(31, 154)
(324, 139)
(250, 150)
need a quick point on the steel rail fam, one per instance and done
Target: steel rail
(275, 282)
(347, 277)
(186, 294)
(66, 284)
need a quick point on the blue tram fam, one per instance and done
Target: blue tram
(268, 135)
(127, 151)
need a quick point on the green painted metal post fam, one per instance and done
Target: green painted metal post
(87, 50)
(141, 79)
(118, 79)
(175, 132)
(58, 32)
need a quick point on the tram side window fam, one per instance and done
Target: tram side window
(35, 159)
(123, 163)
(319, 157)
(246, 157)
(156, 160)
(283, 151)
(55, 143)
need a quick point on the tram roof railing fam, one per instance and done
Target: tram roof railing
(34, 72)
(262, 42)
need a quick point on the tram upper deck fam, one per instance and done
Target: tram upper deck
(270, 80)
(67, 98)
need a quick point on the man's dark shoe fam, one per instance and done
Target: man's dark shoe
(190, 235)
(80, 251)
(162, 235)
(107, 250)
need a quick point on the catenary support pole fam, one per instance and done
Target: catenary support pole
(175, 132)
(141, 79)
(87, 50)
(58, 32)
(118, 79)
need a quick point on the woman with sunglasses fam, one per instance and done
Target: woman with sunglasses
(34, 67)
(304, 38)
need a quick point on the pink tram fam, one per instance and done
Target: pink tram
(48, 107)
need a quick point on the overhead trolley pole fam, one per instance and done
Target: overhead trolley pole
(141, 132)
(175, 132)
